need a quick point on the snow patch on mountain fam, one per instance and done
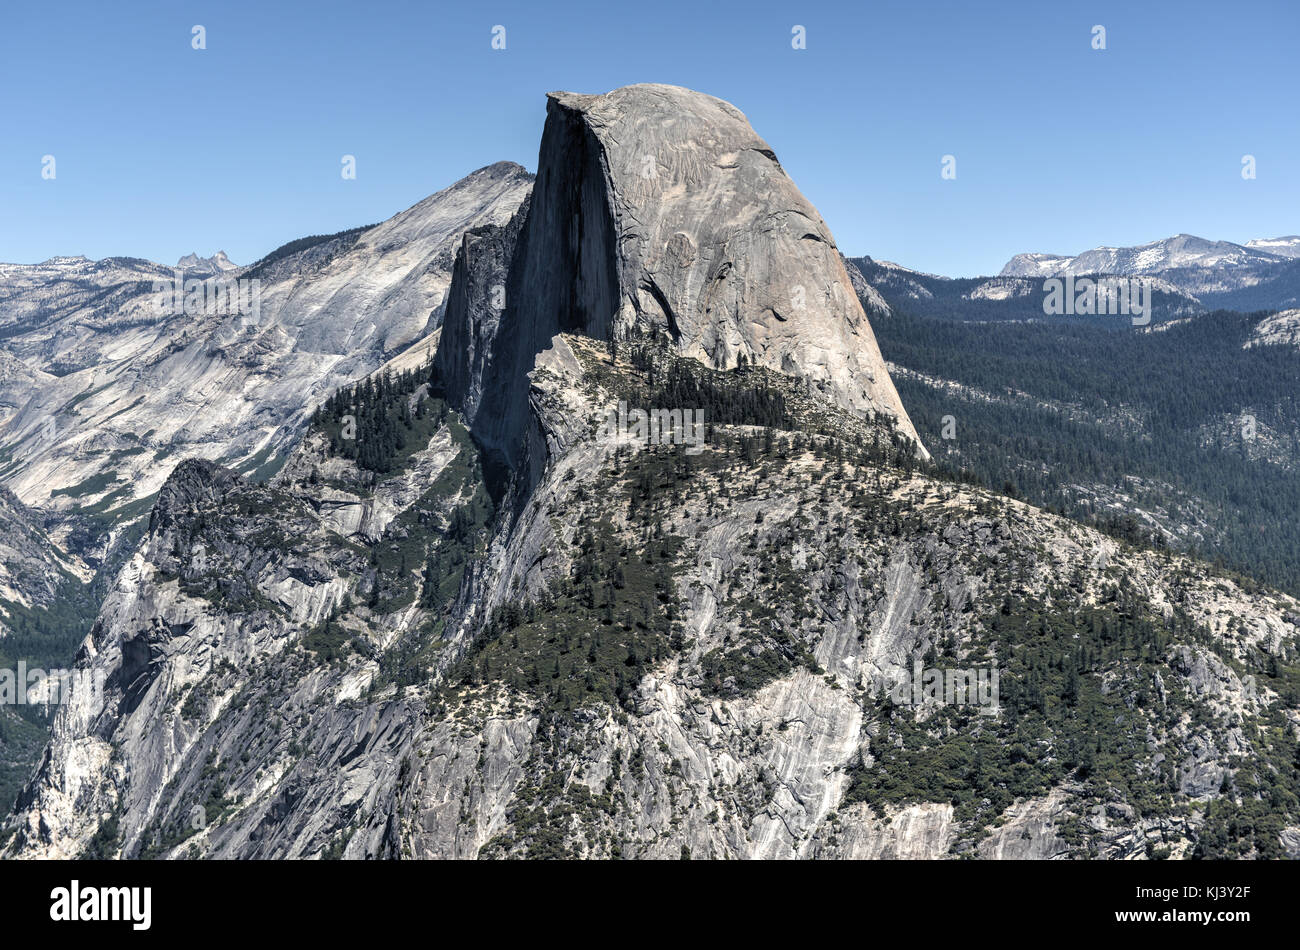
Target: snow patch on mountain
(1180, 251)
(1285, 246)
(1193, 264)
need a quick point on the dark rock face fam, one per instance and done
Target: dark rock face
(472, 350)
(569, 261)
(194, 482)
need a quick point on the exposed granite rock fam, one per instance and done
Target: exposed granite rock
(689, 224)
(470, 350)
(309, 758)
(659, 210)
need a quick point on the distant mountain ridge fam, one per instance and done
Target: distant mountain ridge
(1179, 251)
(1284, 246)
(1195, 265)
(981, 299)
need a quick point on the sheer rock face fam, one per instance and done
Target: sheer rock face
(710, 240)
(658, 209)
(471, 347)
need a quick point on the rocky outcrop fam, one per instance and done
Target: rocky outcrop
(195, 266)
(659, 210)
(1280, 329)
(210, 622)
(473, 349)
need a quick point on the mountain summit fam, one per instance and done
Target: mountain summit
(659, 210)
(215, 265)
(708, 238)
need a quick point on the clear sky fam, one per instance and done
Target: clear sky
(161, 149)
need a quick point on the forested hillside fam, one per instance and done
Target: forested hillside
(1176, 433)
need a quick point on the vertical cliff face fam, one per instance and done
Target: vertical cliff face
(711, 241)
(659, 210)
(553, 268)
(476, 303)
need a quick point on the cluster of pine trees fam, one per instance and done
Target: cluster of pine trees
(741, 398)
(372, 422)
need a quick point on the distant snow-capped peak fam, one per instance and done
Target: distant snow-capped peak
(1283, 246)
(1179, 251)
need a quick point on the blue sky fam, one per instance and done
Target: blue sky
(161, 149)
